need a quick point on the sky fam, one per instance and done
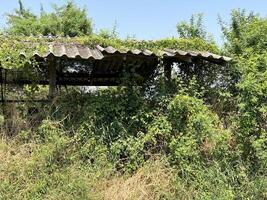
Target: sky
(147, 19)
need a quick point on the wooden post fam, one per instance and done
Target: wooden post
(52, 78)
(2, 91)
(168, 71)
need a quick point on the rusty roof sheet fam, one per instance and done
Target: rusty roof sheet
(77, 51)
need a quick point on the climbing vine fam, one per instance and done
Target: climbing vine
(17, 51)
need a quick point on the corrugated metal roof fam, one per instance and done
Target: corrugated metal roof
(77, 51)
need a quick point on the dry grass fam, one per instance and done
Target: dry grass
(14, 159)
(153, 181)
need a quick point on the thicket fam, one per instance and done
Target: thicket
(189, 138)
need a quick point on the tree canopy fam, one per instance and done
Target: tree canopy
(194, 28)
(67, 20)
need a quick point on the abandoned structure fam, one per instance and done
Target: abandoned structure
(78, 65)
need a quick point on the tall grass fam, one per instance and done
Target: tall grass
(115, 145)
(52, 168)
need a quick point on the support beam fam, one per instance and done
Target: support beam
(2, 90)
(168, 71)
(25, 100)
(52, 78)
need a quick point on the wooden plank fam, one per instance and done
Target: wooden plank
(24, 100)
(168, 71)
(52, 78)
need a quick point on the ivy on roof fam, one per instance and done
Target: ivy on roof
(12, 46)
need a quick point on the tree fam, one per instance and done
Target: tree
(246, 40)
(74, 21)
(236, 32)
(22, 21)
(67, 20)
(192, 29)
(108, 34)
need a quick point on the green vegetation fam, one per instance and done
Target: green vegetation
(194, 29)
(196, 137)
(68, 20)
